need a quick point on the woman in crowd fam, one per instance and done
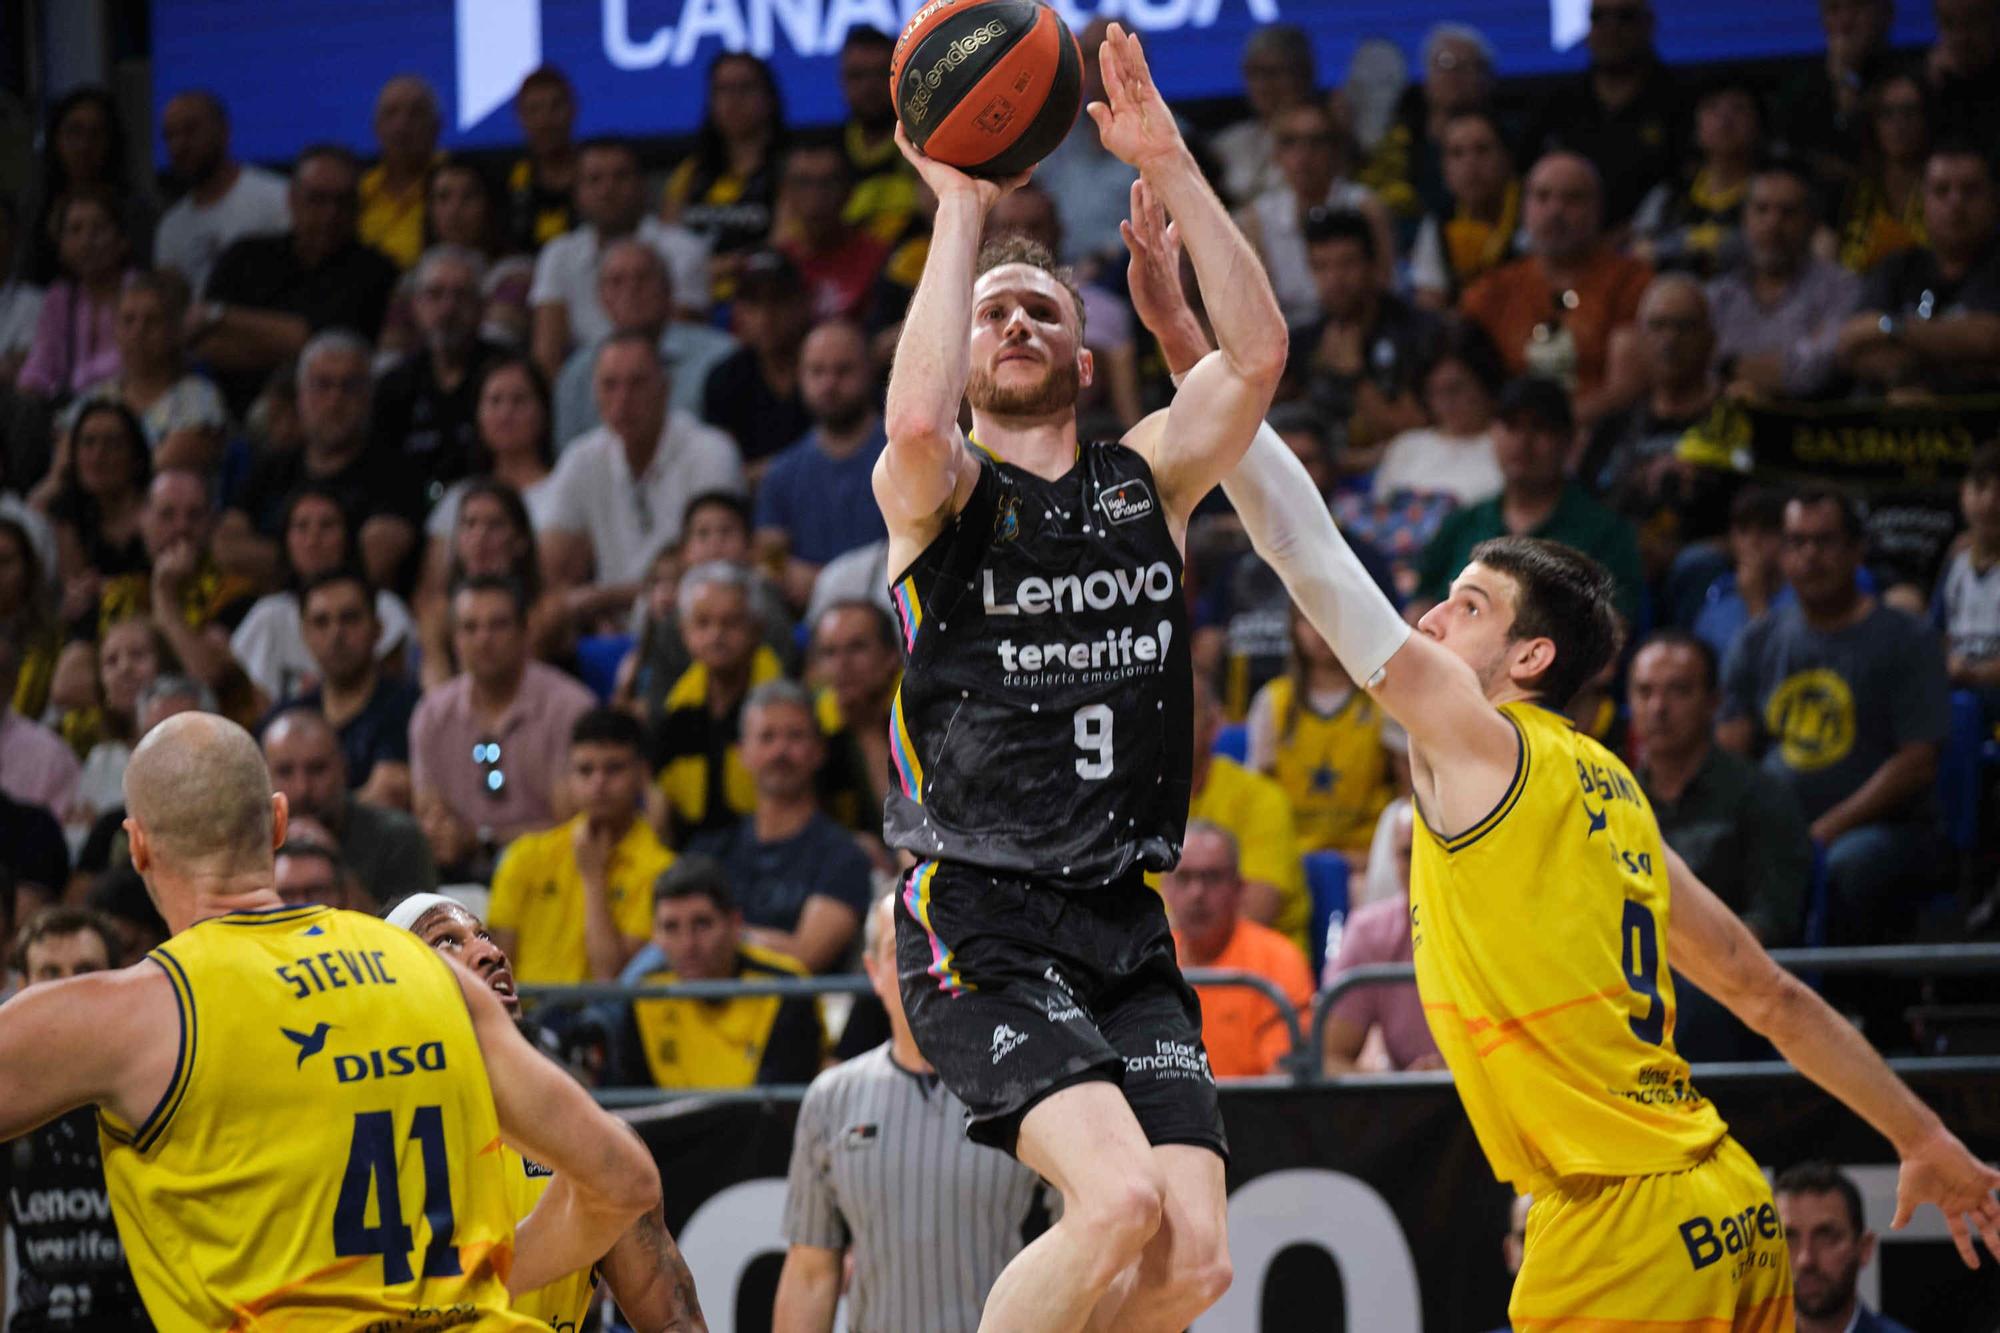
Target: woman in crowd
(270, 642)
(76, 339)
(28, 616)
(1697, 227)
(464, 208)
(1883, 210)
(1482, 231)
(1279, 73)
(83, 149)
(1313, 151)
(130, 656)
(1338, 756)
(1428, 472)
(725, 189)
(492, 536)
(1406, 168)
(182, 412)
(515, 446)
(94, 494)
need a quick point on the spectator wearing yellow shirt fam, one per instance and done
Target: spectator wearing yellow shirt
(392, 191)
(1336, 754)
(754, 1039)
(1255, 811)
(574, 903)
(695, 743)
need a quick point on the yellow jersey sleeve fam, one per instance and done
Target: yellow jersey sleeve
(1540, 946)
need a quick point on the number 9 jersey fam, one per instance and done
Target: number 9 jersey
(327, 1155)
(1044, 723)
(1539, 938)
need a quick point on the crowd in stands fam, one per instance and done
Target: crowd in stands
(522, 506)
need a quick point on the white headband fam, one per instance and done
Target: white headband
(408, 912)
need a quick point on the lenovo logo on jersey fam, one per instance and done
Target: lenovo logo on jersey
(394, 1062)
(1126, 501)
(1099, 590)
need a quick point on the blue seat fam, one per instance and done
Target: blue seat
(1326, 882)
(1233, 741)
(1959, 770)
(1816, 890)
(597, 659)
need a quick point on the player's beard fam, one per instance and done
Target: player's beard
(1055, 392)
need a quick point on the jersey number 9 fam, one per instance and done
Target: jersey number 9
(372, 1173)
(1640, 948)
(1093, 737)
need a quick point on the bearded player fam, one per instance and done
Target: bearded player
(648, 1278)
(1539, 909)
(1042, 733)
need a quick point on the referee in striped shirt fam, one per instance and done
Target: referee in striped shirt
(882, 1171)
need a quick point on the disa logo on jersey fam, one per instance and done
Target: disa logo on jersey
(1126, 501)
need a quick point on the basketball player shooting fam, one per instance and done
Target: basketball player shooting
(1540, 913)
(297, 1104)
(1042, 733)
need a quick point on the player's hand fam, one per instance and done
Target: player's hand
(1941, 1171)
(1133, 122)
(947, 181)
(1154, 274)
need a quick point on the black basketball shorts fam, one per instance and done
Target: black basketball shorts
(1016, 989)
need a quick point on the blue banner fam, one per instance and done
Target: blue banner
(293, 71)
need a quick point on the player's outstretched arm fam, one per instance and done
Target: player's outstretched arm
(1718, 953)
(919, 473)
(650, 1280)
(604, 1177)
(808, 1290)
(1428, 690)
(1223, 398)
(111, 1038)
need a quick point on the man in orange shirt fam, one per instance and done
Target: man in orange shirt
(1558, 312)
(1242, 1028)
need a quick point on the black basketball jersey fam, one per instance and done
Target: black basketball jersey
(1044, 726)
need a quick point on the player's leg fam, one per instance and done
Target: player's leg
(982, 962)
(1153, 1018)
(1185, 1268)
(1084, 1140)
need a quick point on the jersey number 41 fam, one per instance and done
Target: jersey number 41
(372, 1175)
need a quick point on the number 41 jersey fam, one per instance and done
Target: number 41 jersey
(326, 1155)
(1044, 724)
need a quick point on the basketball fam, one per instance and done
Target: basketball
(987, 86)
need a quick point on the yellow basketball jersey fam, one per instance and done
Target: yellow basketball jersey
(1540, 937)
(1334, 768)
(327, 1153)
(563, 1304)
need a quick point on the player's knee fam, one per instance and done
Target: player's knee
(1122, 1216)
(1204, 1271)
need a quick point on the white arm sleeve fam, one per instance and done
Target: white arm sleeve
(1291, 529)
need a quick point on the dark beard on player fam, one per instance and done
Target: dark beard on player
(1053, 394)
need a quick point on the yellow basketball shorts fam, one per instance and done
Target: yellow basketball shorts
(1699, 1250)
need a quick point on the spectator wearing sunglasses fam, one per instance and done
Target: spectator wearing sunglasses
(487, 746)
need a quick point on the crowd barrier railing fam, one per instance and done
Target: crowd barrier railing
(1307, 1033)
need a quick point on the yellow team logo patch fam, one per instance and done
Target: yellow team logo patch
(1812, 716)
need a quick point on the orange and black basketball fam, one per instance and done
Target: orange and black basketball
(988, 86)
